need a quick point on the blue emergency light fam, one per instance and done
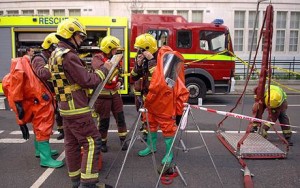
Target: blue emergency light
(218, 21)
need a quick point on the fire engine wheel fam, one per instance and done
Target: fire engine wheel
(197, 89)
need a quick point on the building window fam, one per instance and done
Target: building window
(183, 13)
(294, 31)
(280, 30)
(197, 16)
(152, 11)
(28, 12)
(161, 36)
(167, 12)
(251, 22)
(293, 41)
(59, 12)
(74, 12)
(12, 12)
(1, 12)
(238, 40)
(43, 12)
(184, 38)
(239, 25)
(137, 11)
(280, 35)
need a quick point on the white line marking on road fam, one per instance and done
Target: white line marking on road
(1, 131)
(55, 141)
(12, 141)
(294, 105)
(130, 105)
(47, 173)
(30, 132)
(272, 132)
(20, 132)
(211, 131)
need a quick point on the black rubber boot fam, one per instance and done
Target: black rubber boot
(61, 134)
(75, 183)
(95, 185)
(254, 129)
(104, 146)
(289, 141)
(124, 144)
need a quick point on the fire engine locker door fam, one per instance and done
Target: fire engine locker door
(6, 51)
(119, 33)
(32, 37)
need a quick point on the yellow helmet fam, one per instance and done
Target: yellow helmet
(146, 42)
(49, 40)
(68, 27)
(108, 43)
(276, 98)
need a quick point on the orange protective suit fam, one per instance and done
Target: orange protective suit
(162, 102)
(22, 85)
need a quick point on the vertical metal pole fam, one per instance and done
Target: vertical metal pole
(249, 59)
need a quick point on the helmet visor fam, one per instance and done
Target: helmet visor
(82, 35)
(171, 65)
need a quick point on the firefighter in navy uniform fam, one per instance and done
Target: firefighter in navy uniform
(40, 66)
(71, 79)
(109, 99)
(278, 105)
(142, 72)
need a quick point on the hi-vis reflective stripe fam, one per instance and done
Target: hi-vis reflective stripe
(89, 163)
(73, 174)
(71, 104)
(107, 92)
(100, 74)
(122, 134)
(75, 111)
(200, 57)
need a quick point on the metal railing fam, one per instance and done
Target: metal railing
(281, 69)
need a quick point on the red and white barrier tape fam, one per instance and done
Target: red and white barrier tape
(239, 116)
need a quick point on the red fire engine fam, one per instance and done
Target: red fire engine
(205, 47)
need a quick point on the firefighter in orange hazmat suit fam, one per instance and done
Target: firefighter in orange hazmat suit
(40, 66)
(166, 93)
(109, 98)
(32, 102)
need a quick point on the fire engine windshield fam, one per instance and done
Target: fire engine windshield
(213, 41)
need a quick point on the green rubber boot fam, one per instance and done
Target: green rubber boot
(147, 151)
(168, 159)
(37, 152)
(45, 156)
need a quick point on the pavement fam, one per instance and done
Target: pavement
(291, 87)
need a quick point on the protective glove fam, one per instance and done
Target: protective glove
(178, 118)
(25, 131)
(20, 109)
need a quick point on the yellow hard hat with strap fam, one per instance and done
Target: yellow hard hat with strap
(68, 27)
(146, 42)
(49, 40)
(277, 96)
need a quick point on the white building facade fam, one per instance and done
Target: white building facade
(238, 15)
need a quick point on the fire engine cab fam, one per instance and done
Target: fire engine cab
(206, 48)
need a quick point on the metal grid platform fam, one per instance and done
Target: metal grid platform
(254, 146)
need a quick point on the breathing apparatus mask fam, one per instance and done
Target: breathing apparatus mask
(171, 65)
